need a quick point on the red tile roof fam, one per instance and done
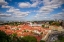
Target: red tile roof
(25, 27)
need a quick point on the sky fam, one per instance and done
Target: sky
(31, 10)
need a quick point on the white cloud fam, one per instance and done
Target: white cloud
(5, 6)
(3, 2)
(59, 15)
(17, 12)
(52, 2)
(40, 1)
(48, 7)
(5, 15)
(34, 3)
(45, 9)
(22, 13)
(24, 4)
(62, 9)
(12, 10)
(18, 16)
(63, 1)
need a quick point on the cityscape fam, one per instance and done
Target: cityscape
(31, 20)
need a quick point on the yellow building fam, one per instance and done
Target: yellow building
(58, 28)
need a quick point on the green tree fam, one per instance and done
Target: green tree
(43, 25)
(29, 39)
(50, 22)
(55, 23)
(14, 37)
(61, 38)
(42, 41)
(4, 37)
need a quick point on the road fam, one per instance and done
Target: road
(53, 36)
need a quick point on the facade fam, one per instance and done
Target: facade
(58, 28)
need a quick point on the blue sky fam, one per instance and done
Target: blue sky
(30, 10)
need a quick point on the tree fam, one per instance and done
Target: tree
(42, 41)
(55, 23)
(50, 22)
(14, 37)
(4, 37)
(60, 39)
(43, 25)
(29, 39)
